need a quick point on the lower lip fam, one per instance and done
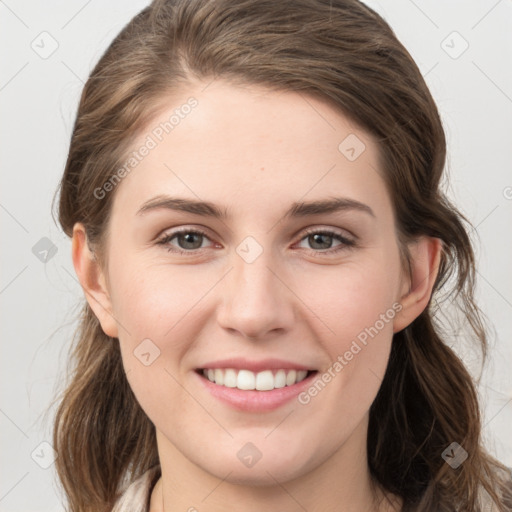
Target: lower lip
(256, 401)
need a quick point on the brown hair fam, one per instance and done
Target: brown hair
(343, 52)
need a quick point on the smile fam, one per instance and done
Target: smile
(265, 380)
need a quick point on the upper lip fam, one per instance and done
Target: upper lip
(255, 366)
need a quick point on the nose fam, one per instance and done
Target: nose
(257, 300)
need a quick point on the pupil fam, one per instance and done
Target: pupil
(189, 239)
(325, 244)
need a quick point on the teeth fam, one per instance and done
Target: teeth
(290, 377)
(264, 381)
(219, 376)
(280, 379)
(229, 378)
(247, 380)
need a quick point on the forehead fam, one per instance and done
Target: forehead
(252, 150)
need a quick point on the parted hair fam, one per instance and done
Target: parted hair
(342, 52)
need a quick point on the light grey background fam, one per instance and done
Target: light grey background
(38, 100)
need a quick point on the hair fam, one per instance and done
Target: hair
(341, 52)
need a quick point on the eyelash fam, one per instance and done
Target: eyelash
(346, 243)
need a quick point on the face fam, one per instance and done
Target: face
(263, 289)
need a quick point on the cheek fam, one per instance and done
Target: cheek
(154, 304)
(353, 298)
(357, 310)
(161, 303)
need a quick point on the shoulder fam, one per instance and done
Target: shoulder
(135, 497)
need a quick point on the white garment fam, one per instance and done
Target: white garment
(137, 495)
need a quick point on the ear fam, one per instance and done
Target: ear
(93, 281)
(417, 290)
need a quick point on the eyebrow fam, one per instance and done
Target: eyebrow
(297, 209)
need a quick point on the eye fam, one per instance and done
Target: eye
(189, 240)
(323, 238)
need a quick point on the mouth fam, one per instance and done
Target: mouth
(247, 380)
(254, 386)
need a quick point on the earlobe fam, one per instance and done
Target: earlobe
(425, 258)
(92, 280)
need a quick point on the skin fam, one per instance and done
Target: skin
(255, 152)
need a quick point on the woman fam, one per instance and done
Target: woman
(252, 191)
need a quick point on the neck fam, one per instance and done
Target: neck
(342, 483)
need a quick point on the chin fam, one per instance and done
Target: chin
(268, 469)
(261, 476)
